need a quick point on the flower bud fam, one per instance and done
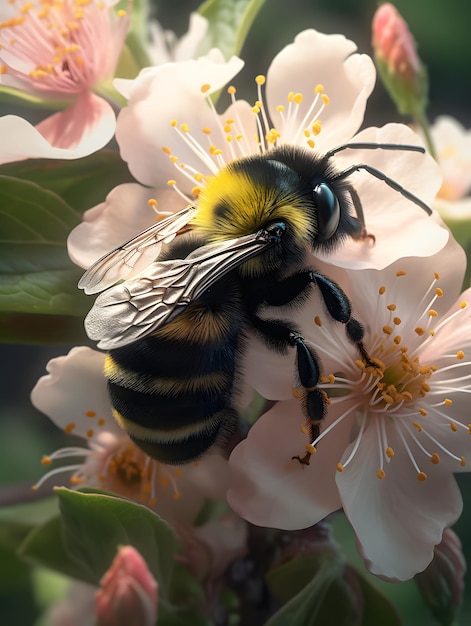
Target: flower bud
(398, 63)
(128, 592)
(442, 583)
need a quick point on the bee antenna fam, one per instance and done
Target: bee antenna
(375, 146)
(378, 173)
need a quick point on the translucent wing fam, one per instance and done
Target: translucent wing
(142, 249)
(135, 308)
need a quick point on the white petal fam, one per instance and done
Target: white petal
(124, 214)
(400, 227)
(160, 95)
(268, 488)
(74, 393)
(397, 520)
(348, 80)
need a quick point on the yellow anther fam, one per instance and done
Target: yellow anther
(171, 182)
(167, 150)
(206, 130)
(436, 275)
(173, 123)
(205, 88)
(317, 321)
(90, 413)
(439, 292)
(325, 98)
(382, 290)
(417, 426)
(462, 461)
(453, 427)
(290, 96)
(90, 432)
(195, 192)
(339, 467)
(389, 452)
(174, 159)
(185, 128)
(423, 412)
(177, 495)
(391, 307)
(432, 313)
(152, 202)
(421, 477)
(381, 474)
(460, 355)
(397, 340)
(319, 88)
(316, 127)
(298, 98)
(397, 321)
(306, 132)
(122, 13)
(227, 128)
(401, 273)
(311, 143)
(152, 501)
(198, 177)
(101, 421)
(387, 398)
(447, 402)
(280, 108)
(260, 79)
(311, 449)
(435, 458)
(69, 428)
(420, 330)
(463, 305)
(255, 109)
(75, 480)
(46, 460)
(231, 90)
(387, 330)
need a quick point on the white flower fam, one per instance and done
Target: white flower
(165, 47)
(74, 395)
(452, 144)
(395, 431)
(314, 96)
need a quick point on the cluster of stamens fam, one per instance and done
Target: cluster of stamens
(395, 390)
(236, 144)
(114, 463)
(53, 35)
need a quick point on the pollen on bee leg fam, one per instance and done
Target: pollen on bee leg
(304, 429)
(296, 393)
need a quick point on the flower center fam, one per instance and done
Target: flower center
(226, 140)
(400, 395)
(57, 46)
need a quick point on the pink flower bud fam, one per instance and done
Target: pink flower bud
(397, 60)
(128, 592)
(393, 42)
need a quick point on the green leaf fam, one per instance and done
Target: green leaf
(36, 274)
(82, 184)
(94, 525)
(377, 608)
(229, 24)
(44, 546)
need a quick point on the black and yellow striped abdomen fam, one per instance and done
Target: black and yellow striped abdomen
(172, 390)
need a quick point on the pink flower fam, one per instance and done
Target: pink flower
(60, 52)
(128, 592)
(394, 433)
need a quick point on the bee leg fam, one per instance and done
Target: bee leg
(340, 309)
(280, 335)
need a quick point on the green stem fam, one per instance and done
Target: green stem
(422, 122)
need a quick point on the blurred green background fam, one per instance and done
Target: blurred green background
(442, 32)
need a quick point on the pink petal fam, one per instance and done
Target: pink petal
(268, 488)
(74, 393)
(77, 131)
(397, 520)
(348, 80)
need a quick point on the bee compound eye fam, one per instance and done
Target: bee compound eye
(328, 211)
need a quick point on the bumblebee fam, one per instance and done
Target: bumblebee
(175, 330)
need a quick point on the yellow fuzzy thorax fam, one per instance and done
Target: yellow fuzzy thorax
(236, 202)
